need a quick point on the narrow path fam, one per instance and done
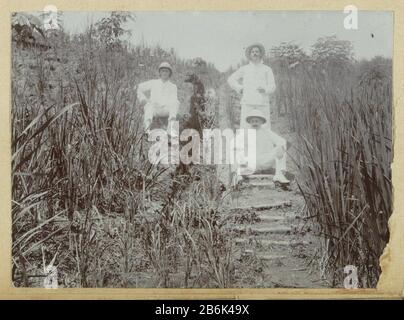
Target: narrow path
(269, 227)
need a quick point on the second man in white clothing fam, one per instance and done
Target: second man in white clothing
(255, 81)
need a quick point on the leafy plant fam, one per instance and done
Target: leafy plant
(109, 30)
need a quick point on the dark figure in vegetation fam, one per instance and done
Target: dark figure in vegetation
(193, 121)
(197, 104)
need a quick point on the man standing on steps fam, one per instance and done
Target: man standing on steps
(257, 83)
(162, 107)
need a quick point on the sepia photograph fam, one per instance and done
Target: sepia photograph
(200, 149)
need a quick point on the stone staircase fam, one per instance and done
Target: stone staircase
(267, 221)
(268, 227)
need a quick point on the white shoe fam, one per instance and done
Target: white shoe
(236, 180)
(280, 178)
(246, 171)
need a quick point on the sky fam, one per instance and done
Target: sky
(220, 37)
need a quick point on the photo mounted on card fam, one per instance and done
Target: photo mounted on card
(210, 149)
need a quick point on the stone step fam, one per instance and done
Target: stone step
(249, 252)
(260, 176)
(248, 229)
(270, 257)
(268, 243)
(259, 180)
(260, 184)
(263, 242)
(268, 206)
(270, 218)
(273, 230)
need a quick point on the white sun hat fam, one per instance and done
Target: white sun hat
(166, 65)
(258, 45)
(255, 113)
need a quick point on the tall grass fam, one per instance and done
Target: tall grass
(187, 243)
(341, 113)
(84, 195)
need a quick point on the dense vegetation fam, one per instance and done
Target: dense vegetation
(341, 110)
(85, 197)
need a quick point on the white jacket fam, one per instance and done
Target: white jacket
(163, 96)
(253, 76)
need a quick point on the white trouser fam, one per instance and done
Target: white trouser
(275, 159)
(246, 111)
(151, 110)
(271, 158)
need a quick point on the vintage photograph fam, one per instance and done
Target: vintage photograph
(200, 149)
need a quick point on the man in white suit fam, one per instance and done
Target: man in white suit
(160, 109)
(255, 81)
(162, 104)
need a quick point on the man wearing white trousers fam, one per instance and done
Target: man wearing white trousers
(255, 81)
(163, 102)
(161, 108)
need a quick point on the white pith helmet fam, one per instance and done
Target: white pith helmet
(166, 65)
(256, 114)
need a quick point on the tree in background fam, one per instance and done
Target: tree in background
(286, 61)
(333, 59)
(27, 29)
(110, 30)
